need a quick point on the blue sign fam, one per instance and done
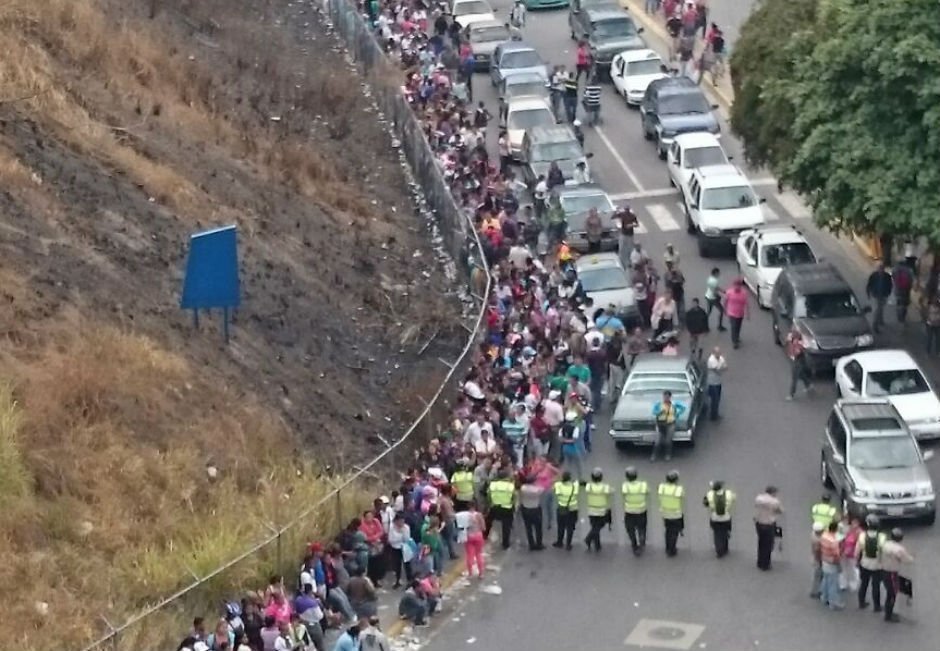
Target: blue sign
(212, 270)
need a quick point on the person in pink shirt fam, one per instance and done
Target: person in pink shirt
(371, 528)
(736, 307)
(279, 608)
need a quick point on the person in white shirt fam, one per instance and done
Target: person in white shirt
(715, 367)
(594, 338)
(486, 445)
(475, 430)
(517, 15)
(581, 174)
(638, 256)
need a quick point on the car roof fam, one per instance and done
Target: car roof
(854, 410)
(582, 190)
(659, 363)
(816, 278)
(516, 46)
(631, 56)
(778, 234)
(674, 86)
(598, 261)
(525, 102)
(606, 12)
(527, 77)
(890, 359)
(486, 24)
(697, 139)
(720, 176)
(553, 133)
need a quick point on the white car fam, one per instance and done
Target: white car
(522, 114)
(468, 12)
(632, 71)
(604, 280)
(688, 152)
(892, 374)
(763, 252)
(720, 205)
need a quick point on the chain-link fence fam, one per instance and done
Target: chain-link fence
(159, 626)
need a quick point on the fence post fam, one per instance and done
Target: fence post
(277, 554)
(339, 509)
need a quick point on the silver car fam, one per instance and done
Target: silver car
(484, 37)
(872, 461)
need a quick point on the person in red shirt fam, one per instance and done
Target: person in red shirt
(583, 60)
(796, 353)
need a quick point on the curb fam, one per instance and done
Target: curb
(450, 577)
(639, 15)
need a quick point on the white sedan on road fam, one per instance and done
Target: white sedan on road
(892, 374)
(763, 252)
(690, 151)
(468, 12)
(632, 71)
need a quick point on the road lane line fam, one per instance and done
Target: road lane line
(617, 157)
(792, 203)
(646, 194)
(663, 218)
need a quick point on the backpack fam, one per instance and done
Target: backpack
(871, 545)
(902, 278)
(721, 503)
(718, 44)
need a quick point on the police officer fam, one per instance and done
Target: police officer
(893, 556)
(823, 512)
(502, 493)
(566, 502)
(719, 500)
(598, 507)
(635, 504)
(462, 481)
(868, 549)
(671, 508)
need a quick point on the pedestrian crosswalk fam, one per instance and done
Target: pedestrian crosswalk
(669, 215)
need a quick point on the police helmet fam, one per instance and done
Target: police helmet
(897, 535)
(872, 521)
(672, 476)
(630, 472)
(566, 476)
(825, 498)
(718, 485)
(597, 474)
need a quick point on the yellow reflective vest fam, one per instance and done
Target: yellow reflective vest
(462, 481)
(823, 513)
(501, 493)
(598, 498)
(670, 500)
(635, 494)
(566, 495)
(710, 501)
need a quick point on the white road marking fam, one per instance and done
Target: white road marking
(770, 214)
(658, 192)
(764, 180)
(794, 205)
(663, 218)
(617, 157)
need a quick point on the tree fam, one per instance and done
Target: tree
(761, 56)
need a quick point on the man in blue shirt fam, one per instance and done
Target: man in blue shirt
(666, 412)
(349, 640)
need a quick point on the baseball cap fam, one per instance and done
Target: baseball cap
(818, 527)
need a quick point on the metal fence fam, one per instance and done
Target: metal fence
(159, 626)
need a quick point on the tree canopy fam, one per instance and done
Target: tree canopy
(846, 109)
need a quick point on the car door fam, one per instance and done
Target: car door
(740, 252)
(673, 163)
(835, 451)
(751, 269)
(850, 379)
(648, 112)
(617, 67)
(692, 203)
(494, 65)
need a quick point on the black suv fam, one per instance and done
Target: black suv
(819, 302)
(675, 105)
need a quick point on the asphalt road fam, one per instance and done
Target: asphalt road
(556, 600)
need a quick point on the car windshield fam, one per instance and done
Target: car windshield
(644, 67)
(834, 305)
(599, 280)
(728, 198)
(896, 383)
(556, 151)
(471, 7)
(782, 255)
(530, 88)
(883, 452)
(529, 118)
(614, 28)
(683, 104)
(677, 383)
(583, 203)
(489, 34)
(520, 59)
(702, 156)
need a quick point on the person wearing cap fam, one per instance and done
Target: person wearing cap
(719, 501)
(502, 494)
(597, 498)
(868, 553)
(462, 483)
(672, 508)
(823, 511)
(767, 509)
(893, 557)
(566, 500)
(635, 494)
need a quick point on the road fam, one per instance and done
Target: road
(557, 600)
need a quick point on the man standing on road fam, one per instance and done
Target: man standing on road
(566, 500)
(666, 412)
(823, 512)
(671, 508)
(893, 557)
(540, 195)
(462, 483)
(903, 277)
(797, 356)
(570, 96)
(696, 322)
(768, 509)
(530, 498)
(830, 555)
(635, 505)
(815, 547)
(674, 281)
(719, 501)
(713, 297)
(502, 507)
(715, 367)
(737, 305)
(878, 288)
(598, 508)
(628, 222)
(868, 551)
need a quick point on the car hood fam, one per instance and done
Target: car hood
(732, 218)
(617, 45)
(566, 166)
(639, 407)
(639, 83)
(622, 298)
(485, 48)
(835, 333)
(689, 123)
(537, 70)
(891, 480)
(515, 139)
(916, 406)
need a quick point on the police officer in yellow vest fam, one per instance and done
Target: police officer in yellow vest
(671, 507)
(719, 501)
(635, 504)
(502, 492)
(597, 494)
(823, 512)
(566, 503)
(462, 482)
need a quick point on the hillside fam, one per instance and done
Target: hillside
(120, 136)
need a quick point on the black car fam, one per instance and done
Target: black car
(675, 105)
(820, 303)
(609, 30)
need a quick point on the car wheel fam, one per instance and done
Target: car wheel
(646, 134)
(930, 519)
(689, 224)
(703, 249)
(660, 150)
(824, 472)
(621, 445)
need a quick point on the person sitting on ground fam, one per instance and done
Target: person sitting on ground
(415, 606)
(671, 349)
(362, 595)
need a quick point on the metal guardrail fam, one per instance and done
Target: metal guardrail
(157, 626)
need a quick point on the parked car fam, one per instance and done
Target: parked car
(484, 37)
(675, 105)
(577, 202)
(720, 204)
(651, 374)
(870, 458)
(524, 84)
(688, 152)
(524, 114)
(763, 252)
(820, 303)
(605, 281)
(514, 58)
(895, 375)
(608, 30)
(633, 71)
(468, 12)
(545, 4)
(543, 145)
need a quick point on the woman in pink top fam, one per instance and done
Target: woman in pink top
(736, 307)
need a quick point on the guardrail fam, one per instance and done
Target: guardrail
(159, 626)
